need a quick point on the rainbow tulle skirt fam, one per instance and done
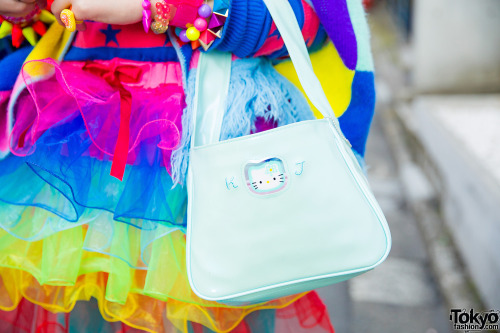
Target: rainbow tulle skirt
(71, 233)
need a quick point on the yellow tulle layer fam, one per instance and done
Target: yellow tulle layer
(56, 272)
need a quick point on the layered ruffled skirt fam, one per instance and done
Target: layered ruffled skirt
(71, 232)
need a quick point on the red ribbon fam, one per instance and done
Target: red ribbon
(115, 75)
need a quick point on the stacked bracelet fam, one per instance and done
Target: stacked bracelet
(206, 28)
(193, 31)
(28, 27)
(195, 22)
(146, 15)
(162, 18)
(21, 20)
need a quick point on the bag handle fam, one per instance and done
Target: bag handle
(284, 17)
(211, 89)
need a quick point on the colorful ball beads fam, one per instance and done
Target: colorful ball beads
(205, 28)
(205, 11)
(193, 31)
(200, 24)
(183, 36)
(192, 34)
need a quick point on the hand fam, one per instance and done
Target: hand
(105, 11)
(18, 8)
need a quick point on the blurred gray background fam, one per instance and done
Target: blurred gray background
(434, 164)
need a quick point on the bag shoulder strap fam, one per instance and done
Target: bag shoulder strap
(284, 18)
(210, 82)
(211, 89)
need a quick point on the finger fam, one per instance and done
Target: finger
(58, 6)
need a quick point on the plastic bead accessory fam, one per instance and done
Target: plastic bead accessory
(146, 15)
(192, 34)
(216, 21)
(29, 17)
(183, 36)
(28, 27)
(200, 24)
(205, 11)
(68, 18)
(162, 17)
(207, 38)
(205, 29)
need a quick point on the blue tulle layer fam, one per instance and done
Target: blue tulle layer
(66, 174)
(78, 181)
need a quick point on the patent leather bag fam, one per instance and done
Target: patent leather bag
(278, 212)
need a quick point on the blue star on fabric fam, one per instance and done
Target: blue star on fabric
(275, 33)
(111, 34)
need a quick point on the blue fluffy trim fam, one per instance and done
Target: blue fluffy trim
(256, 91)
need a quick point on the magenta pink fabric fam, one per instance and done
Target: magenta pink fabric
(274, 42)
(157, 102)
(130, 36)
(4, 121)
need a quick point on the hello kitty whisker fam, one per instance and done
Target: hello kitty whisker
(266, 177)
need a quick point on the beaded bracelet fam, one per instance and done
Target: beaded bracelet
(146, 15)
(28, 27)
(162, 17)
(205, 29)
(29, 17)
(195, 25)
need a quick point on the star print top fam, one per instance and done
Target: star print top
(249, 31)
(105, 42)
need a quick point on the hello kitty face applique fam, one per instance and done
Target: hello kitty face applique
(266, 177)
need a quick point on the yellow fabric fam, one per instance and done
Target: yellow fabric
(60, 259)
(56, 272)
(138, 311)
(335, 78)
(52, 45)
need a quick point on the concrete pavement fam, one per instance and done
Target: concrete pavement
(401, 295)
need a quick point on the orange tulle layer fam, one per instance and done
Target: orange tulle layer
(139, 311)
(303, 313)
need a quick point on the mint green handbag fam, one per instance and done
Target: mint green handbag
(279, 212)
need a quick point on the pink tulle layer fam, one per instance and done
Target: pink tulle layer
(96, 91)
(4, 121)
